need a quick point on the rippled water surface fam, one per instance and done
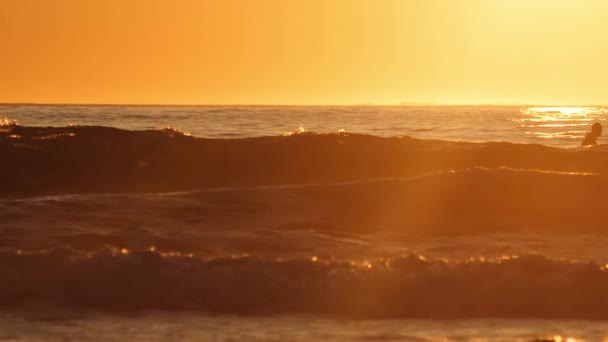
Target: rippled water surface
(193, 327)
(559, 126)
(122, 235)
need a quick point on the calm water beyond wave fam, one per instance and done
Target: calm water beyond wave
(478, 223)
(555, 126)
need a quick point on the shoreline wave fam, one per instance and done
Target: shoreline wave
(307, 223)
(405, 287)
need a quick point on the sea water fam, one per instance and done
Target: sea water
(555, 126)
(302, 223)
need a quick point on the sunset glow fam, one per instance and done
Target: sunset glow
(304, 170)
(303, 52)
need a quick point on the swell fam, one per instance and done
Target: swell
(156, 220)
(404, 287)
(55, 160)
(371, 217)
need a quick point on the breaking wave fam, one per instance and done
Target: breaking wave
(404, 287)
(341, 224)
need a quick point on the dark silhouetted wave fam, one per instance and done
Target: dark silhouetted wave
(409, 286)
(304, 219)
(39, 161)
(350, 225)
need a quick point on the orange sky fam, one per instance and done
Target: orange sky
(304, 51)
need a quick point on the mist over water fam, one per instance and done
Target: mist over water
(554, 126)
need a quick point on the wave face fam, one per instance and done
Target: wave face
(402, 287)
(99, 159)
(350, 225)
(363, 218)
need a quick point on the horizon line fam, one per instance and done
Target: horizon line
(404, 104)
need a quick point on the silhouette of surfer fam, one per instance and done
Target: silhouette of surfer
(591, 138)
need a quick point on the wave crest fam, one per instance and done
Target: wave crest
(403, 287)
(52, 160)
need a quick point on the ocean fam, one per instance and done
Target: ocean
(287, 223)
(554, 126)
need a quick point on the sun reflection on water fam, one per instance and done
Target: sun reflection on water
(559, 123)
(558, 338)
(297, 131)
(551, 114)
(561, 110)
(6, 122)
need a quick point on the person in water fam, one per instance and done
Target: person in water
(591, 138)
